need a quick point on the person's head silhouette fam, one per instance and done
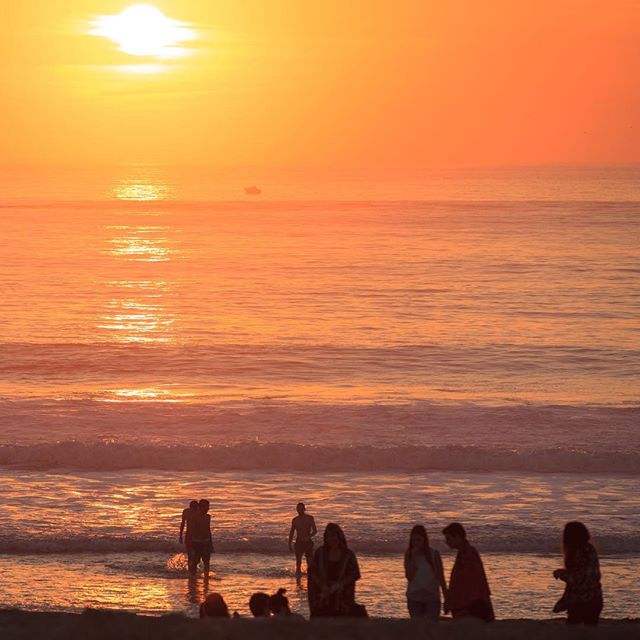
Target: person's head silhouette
(214, 606)
(259, 605)
(455, 535)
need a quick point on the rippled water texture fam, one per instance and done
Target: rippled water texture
(445, 346)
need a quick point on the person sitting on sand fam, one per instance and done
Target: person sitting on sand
(333, 573)
(201, 539)
(259, 605)
(279, 606)
(305, 528)
(187, 514)
(469, 594)
(582, 597)
(425, 576)
(214, 606)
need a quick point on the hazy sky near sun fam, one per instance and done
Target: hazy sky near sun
(342, 83)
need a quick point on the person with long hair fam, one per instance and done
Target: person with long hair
(582, 597)
(425, 577)
(332, 577)
(214, 606)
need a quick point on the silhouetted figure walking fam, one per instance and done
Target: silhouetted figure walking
(469, 594)
(425, 576)
(304, 527)
(187, 515)
(582, 599)
(333, 573)
(201, 539)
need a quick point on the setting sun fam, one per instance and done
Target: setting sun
(143, 30)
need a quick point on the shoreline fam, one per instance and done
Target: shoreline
(18, 624)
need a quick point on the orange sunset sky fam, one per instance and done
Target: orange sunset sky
(341, 83)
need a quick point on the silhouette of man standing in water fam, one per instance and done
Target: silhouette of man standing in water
(187, 515)
(201, 539)
(304, 527)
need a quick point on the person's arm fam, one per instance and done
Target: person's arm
(293, 528)
(314, 529)
(586, 569)
(351, 573)
(409, 568)
(442, 581)
(182, 525)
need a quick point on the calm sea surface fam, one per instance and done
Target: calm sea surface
(470, 351)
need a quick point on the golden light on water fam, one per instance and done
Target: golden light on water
(140, 190)
(138, 243)
(137, 309)
(141, 395)
(143, 30)
(133, 320)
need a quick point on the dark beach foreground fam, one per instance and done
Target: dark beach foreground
(103, 625)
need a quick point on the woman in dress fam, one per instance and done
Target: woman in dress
(582, 599)
(425, 576)
(332, 577)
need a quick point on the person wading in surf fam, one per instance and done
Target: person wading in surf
(201, 539)
(304, 527)
(185, 535)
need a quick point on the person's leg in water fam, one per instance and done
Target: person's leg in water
(303, 548)
(299, 550)
(206, 559)
(308, 553)
(196, 556)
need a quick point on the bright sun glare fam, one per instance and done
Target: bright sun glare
(143, 30)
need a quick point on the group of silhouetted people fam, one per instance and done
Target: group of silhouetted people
(261, 605)
(332, 573)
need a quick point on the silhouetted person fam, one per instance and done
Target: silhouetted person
(214, 606)
(304, 527)
(582, 597)
(201, 539)
(259, 605)
(279, 606)
(332, 577)
(187, 514)
(425, 576)
(469, 594)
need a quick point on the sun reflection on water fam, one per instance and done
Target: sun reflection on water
(140, 190)
(149, 394)
(132, 320)
(134, 246)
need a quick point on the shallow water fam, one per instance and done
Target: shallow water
(251, 511)
(153, 583)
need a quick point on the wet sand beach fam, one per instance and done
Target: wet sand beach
(90, 625)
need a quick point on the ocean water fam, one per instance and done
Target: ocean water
(459, 346)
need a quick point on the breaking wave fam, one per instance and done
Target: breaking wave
(113, 456)
(510, 539)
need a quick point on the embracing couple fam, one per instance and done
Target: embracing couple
(195, 533)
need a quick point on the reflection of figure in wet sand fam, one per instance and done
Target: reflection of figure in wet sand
(187, 515)
(201, 539)
(304, 528)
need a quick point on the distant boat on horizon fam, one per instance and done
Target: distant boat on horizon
(252, 191)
